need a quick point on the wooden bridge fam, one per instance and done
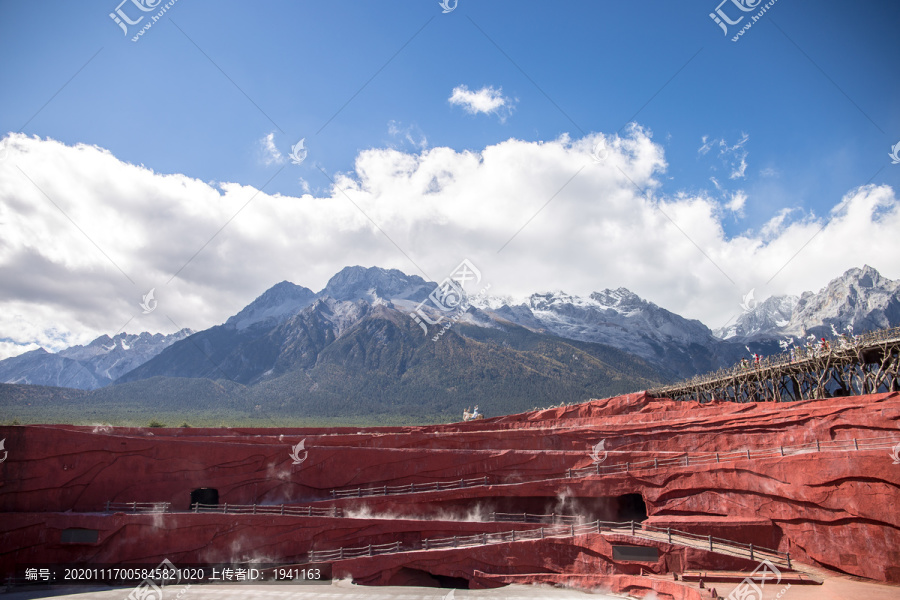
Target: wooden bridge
(845, 366)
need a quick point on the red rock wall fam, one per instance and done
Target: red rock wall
(831, 508)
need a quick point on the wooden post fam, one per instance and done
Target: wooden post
(134, 507)
(748, 453)
(359, 492)
(370, 549)
(669, 533)
(254, 509)
(717, 457)
(425, 541)
(632, 527)
(282, 510)
(782, 450)
(542, 533)
(818, 448)
(789, 560)
(655, 463)
(455, 541)
(332, 494)
(341, 552)
(412, 488)
(710, 543)
(485, 480)
(751, 551)
(225, 508)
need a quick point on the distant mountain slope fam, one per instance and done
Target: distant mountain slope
(621, 319)
(345, 360)
(861, 298)
(274, 306)
(87, 367)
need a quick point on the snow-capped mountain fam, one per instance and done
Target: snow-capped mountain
(761, 321)
(861, 298)
(289, 327)
(87, 367)
(276, 304)
(621, 319)
(360, 283)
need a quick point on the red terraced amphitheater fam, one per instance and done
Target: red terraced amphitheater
(676, 492)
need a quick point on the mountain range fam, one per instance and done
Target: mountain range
(362, 345)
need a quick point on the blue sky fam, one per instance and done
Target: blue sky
(788, 121)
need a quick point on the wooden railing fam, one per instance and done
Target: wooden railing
(844, 347)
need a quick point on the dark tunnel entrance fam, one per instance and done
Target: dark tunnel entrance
(631, 507)
(205, 496)
(407, 576)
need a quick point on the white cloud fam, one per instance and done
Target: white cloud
(732, 156)
(411, 134)
(438, 205)
(737, 202)
(270, 153)
(487, 100)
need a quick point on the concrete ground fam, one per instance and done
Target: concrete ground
(337, 591)
(835, 587)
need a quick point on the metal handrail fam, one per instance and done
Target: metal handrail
(632, 528)
(268, 509)
(529, 518)
(681, 460)
(137, 507)
(411, 488)
(703, 458)
(239, 509)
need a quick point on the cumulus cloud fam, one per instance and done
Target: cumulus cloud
(487, 100)
(84, 235)
(270, 153)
